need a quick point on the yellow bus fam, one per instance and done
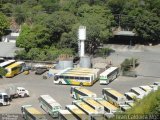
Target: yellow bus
(15, 69)
(30, 113)
(79, 92)
(113, 96)
(72, 76)
(66, 115)
(92, 113)
(77, 112)
(94, 104)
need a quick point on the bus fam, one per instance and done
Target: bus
(72, 76)
(30, 113)
(94, 104)
(48, 104)
(130, 96)
(7, 63)
(78, 93)
(124, 107)
(110, 109)
(15, 69)
(146, 88)
(138, 91)
(66, 115)
(92, 113)
(109, 75)
(113, 96)
(78, 113)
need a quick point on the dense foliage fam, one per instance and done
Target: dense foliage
(51, 25)
(2, 71)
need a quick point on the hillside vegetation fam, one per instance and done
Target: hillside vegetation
(49, 27)
(148, 107)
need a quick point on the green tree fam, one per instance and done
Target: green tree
(4, 24)
(148, 26)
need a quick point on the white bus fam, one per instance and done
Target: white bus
(71, 77)
(49, 105)
(78, 113)
(80, 92)
(92, 113)
(7, 63)
(109, 75)
(94, 104)
(139, 92)
(146, 88)
(30, 113)
(66, 115)
(4, 99)
(110, 109)
(130, 96)
(113, 96)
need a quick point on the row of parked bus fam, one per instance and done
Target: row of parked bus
(85, 76)
(13, 67)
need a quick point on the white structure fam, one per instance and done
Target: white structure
(10, 38)
(81, 39)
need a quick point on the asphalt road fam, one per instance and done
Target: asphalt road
(149, 70)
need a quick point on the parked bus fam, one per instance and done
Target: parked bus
(49, 105)
(4, 99)
(7, 63)
(92, 113)
(94, 104)
(15, 69)
(66, 115)
(78, 113)
(80, 92)
(113, 96)
(146, 88)
(30, 113)
(124, 107)
(110, 109)
(71, 77)
(109, 75)
(130, 96)
(139, 92)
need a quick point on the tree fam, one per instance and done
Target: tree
(148, 26)
(4, 24)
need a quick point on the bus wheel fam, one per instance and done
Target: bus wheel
(60, 83)
(81, 84)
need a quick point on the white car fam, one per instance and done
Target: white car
(22, 92)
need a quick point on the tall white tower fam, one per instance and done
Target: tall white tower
(81, 39)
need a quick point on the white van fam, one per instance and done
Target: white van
(4, 99)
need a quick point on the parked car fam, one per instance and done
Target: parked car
(40, 71)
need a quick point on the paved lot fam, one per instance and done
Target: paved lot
(149, 70)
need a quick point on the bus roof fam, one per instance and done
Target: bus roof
(14, 65)
(92, 102)
(131, 94)
(109, 70)
(67, 115)
(50, 100)
(107, 104)
(32, 110)
(88, 92)
(146, 87)
(86, 108)
(80, 75)
(138, 90)
(6, 63)
(75, 109)
(114, 92)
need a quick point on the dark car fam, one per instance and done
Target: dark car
(40, 71)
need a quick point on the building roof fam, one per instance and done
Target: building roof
(7, 49)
